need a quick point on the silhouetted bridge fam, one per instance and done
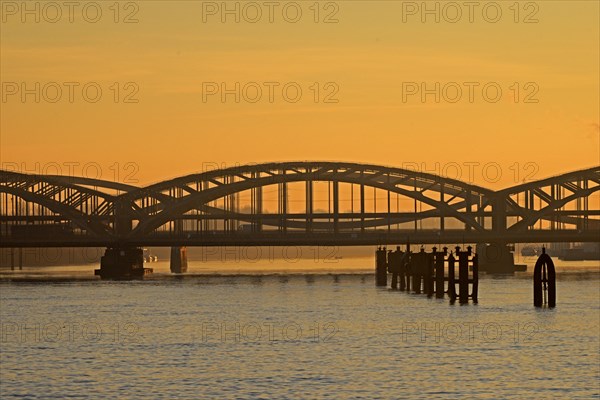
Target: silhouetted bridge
(295, 203)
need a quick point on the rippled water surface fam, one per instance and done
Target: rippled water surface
(297, 336)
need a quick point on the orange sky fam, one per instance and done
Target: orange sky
(369, 57)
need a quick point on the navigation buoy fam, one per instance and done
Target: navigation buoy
(544, 281)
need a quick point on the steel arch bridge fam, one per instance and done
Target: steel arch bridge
(295, 203)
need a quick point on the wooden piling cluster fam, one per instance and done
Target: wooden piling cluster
(380, 267)
(427, 273)
(466, 261)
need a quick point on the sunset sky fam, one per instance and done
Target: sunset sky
(366, 61)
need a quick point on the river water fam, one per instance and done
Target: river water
(304, 332)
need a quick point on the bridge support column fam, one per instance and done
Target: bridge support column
(122, 263)
(179, 262)
(381, 267)
(12, 259)
(496, 258)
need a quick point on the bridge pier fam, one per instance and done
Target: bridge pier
(122, 263)
(179, 262)
(495, 258)
(12, 258)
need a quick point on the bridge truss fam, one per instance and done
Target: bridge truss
(296, 203)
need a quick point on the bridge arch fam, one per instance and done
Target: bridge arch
(554, 202)
(78, 200)
(171, 200)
